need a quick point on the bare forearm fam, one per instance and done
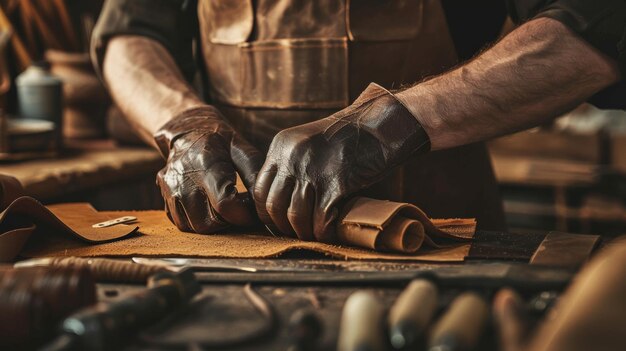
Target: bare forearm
(146, 84)
(537, 72)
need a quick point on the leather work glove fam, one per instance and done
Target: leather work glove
(310, 168)
(198, 182)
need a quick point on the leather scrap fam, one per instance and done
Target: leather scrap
(26, 218)
(23, 218)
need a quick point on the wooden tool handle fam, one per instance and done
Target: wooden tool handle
(410, 315)
(111, 270)
(461, 326)
(362, 323)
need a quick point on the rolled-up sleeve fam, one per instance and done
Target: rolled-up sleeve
(602, 23)
(173, 23)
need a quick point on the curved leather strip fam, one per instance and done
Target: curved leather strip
(393, 226)
(26, 217)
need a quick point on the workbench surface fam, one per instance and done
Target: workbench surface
(222, 311)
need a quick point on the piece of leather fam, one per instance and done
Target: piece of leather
(159, 237)
(565, 250)
(204, 155)
(311, 168)
(398, 227)
(516, 246)
(25, 219)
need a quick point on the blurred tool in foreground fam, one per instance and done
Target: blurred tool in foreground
(106, 326)
(34, 300)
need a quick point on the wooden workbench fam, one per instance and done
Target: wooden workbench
(110, 177)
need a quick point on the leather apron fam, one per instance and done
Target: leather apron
(274, 64)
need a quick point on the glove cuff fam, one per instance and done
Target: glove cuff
(191, 120)
(392, 122)
(421, 136)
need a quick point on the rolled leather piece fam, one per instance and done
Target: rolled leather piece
(393, 226)
(362, 324)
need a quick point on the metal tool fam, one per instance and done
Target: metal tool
(154, 337)
(564, 250)
(462, 325)
(476, 275)
(178, 263)
(207, 265)
(107, 326)
(305, 330)
(487, 276)
(362, 324)
(412, 312)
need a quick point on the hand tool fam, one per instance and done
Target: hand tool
(305, 329)
(34, 300)
(245, 265)
(462, 324)
(103, 269)
(106, 326)
(177, 263)
(564, 250)
(469, 275)
(410, 315)
(361, 326)
(542, 302)
(477, 276)
(159, 337)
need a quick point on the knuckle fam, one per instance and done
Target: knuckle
(273, 208)
(294, 217)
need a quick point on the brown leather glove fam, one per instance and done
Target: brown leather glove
(310, 168)
(198, 182)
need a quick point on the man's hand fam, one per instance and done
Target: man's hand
(310, 168)
(198, 182)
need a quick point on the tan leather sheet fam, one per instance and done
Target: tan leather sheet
(158, 237)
